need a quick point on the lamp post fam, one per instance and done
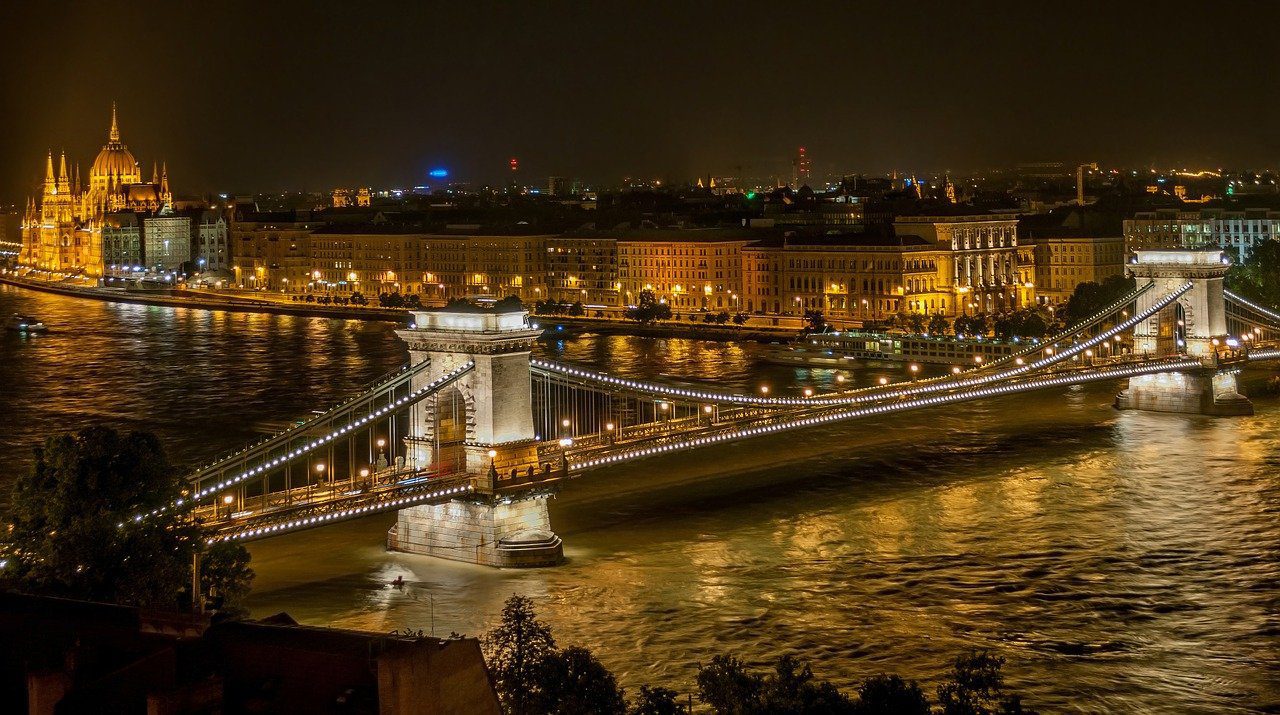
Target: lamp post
(382, 457)
(319, 478)
(228, 500)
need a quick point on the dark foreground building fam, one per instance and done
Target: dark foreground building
(64, 656)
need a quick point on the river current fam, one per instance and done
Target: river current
(1121, 562)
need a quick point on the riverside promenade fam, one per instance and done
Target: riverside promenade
(759, 328)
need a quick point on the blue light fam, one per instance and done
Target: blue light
(438, 173)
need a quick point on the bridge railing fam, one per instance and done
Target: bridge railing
(778, 423)
(281, 449)
(384, 384)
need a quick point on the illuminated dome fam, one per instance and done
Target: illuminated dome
(114, 160)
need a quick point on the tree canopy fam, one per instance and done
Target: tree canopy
(75, 530)
(649, 309)
(1089, 298)
(534, 677)
(1257, 277)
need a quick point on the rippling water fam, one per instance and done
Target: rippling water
(1123, 562)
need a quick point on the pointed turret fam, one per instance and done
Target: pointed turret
(49, 179)
(164, 183)
(155, 177)
(115, 126)
(64, 179)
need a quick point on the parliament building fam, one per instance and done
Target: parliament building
(63, 232)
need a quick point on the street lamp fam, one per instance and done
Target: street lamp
(764, 389)
(228, 500)
(382, 458)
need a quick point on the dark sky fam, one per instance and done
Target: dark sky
(269, 95)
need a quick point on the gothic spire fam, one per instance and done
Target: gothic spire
(115, 127)
(155, 177)
(49, 178)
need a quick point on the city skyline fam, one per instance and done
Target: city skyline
(324, 95)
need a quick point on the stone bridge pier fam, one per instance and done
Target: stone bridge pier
(1194, 325)
(481, 423)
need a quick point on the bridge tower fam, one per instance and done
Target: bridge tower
(481, 424)
(1194, 325)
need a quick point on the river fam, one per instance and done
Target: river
(1124, 562)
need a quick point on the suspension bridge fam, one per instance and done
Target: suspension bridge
(469, 440)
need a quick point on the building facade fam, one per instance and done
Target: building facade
(1064, 262)
(121, 243)
(983, 271)
(212, 249)
(689, 269)
(1234, 231)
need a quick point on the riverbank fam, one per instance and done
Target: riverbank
(181, 298)
(208, 300)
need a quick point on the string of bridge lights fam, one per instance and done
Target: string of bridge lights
(404, 373)
(1101, 374)
(1251, 305)
(337, 515)
(306, 449)
(916, 388)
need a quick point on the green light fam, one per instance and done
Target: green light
(751, 195)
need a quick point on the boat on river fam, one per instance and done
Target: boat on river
(25, 324)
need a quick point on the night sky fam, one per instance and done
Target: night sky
(262, 96)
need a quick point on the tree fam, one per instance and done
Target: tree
(225, 575)
(891, 695)
(740, 318)
(1257, 277)
(814, 321)
(514, 651)
(75, 531)
(657, 701)
(572, 681)
(728, 687)
(938, 324)
(916, 322)
(791, 689)
(978, 324)
(577, 309)
(976, 687)
(1089, 298)
(648, 309)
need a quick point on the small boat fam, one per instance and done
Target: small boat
(26, 324)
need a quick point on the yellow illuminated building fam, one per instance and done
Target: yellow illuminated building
(63, 231)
